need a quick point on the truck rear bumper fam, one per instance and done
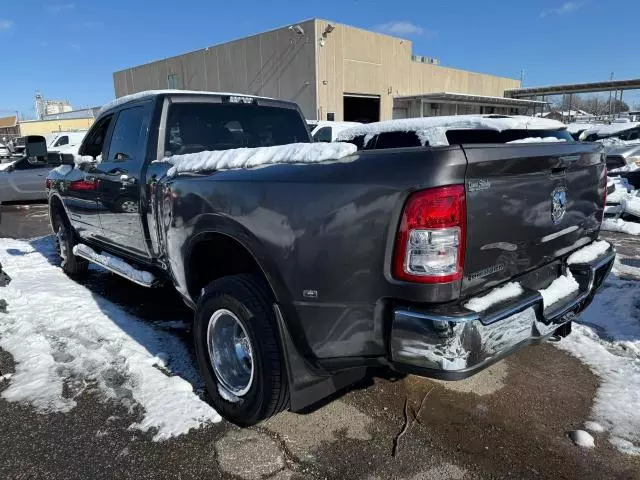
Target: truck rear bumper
(451, 342)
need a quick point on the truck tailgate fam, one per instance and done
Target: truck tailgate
(528, 204)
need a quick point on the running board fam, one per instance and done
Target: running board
(116, 265)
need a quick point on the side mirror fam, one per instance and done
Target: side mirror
(35, 149)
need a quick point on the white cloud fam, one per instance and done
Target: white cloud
(75, 46)
(567, 7)
(6, 24)
(403, 27)
(62, 7)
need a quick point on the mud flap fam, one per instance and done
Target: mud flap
(307, 384)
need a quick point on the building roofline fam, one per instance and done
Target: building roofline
(631, 84)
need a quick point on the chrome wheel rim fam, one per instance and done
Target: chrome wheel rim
(230, 352)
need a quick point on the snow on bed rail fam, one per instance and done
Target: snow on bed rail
(538, 140)
(253, 157)
(66, 339)
(560, 288)
(497, 295)
(433, 129)
(588, 253)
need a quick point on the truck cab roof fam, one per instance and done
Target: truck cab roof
(157, 94)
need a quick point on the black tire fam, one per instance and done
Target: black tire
(250, 300)
(65, 241)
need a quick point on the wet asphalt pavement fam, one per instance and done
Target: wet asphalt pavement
(509, 421)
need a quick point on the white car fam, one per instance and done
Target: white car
(22, 180)
(4, 151)
(325, 131)
(59, 141)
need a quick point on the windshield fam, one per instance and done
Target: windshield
(196, 127)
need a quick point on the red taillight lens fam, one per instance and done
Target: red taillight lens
(83, 185)
(430, 243)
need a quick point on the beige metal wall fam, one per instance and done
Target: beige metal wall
(44, 127)
(279, 64)
(358, 61)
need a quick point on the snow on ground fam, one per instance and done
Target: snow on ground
(589, 253)
(607, 339)
(582, 439)
(254, 157)
(433, 129)
(66, 340)
(497, 295)
(619, 225)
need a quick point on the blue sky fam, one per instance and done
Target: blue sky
(70, 48)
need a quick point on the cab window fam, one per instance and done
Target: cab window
(63, 140)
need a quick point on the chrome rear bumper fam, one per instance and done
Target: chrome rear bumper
(451, 342)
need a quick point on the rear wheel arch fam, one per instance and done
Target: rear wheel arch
(212, 255)
(56, 206)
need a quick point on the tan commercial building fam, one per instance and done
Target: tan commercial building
(334, 72)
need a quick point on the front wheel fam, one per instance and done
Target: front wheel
(237, 350)
(70, 263)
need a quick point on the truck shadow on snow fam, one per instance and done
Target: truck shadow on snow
(158, 320)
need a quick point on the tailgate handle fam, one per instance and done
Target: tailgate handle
(558, 172)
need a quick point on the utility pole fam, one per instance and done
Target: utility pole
(610, 78)
(521, 77)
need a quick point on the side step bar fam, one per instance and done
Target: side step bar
(116, 265)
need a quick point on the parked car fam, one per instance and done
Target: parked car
(325, 131)
(622, 130)
(62, 140)
(302, 275)
(23, 179)
(4, 151)
(624, 161)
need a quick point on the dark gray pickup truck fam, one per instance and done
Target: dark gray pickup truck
(303, 270)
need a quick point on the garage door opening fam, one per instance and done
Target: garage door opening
(361, 108)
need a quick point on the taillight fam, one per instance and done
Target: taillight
(83, 185)
(48, 183)
(430, 243)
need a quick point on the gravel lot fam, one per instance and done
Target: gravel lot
(509, 421)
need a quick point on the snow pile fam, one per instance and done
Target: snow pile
(607, 339)
(66, 340)
(593, 427)
(497, 295)
(6, 166)
(582, 439)
(538, 140)
(116, 263)
(560, 288)
(433, 129)
(619, 225)
(576, 127)
(253, 157)
(589, 253)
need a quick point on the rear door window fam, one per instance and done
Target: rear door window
(196, 127)
(396, 140)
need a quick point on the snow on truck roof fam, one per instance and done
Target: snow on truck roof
(433, 129)
(152, 93)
